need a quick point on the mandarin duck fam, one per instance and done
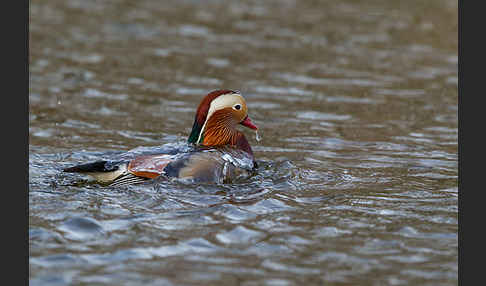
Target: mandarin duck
(214, 152)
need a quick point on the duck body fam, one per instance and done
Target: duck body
(186, 162)
(215, 151)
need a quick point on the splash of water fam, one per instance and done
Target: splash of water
(257, 137)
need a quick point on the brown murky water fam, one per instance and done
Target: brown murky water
(357, 106)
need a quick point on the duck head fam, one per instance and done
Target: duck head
(217, 117)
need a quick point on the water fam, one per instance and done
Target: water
(356, 104)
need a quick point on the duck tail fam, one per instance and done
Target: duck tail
(96, 167)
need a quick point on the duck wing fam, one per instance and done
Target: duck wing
(195, 166)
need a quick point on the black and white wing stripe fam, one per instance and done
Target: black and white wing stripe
(127, 179)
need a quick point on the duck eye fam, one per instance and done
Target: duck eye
(237, 107)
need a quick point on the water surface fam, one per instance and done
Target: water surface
(356, 102)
